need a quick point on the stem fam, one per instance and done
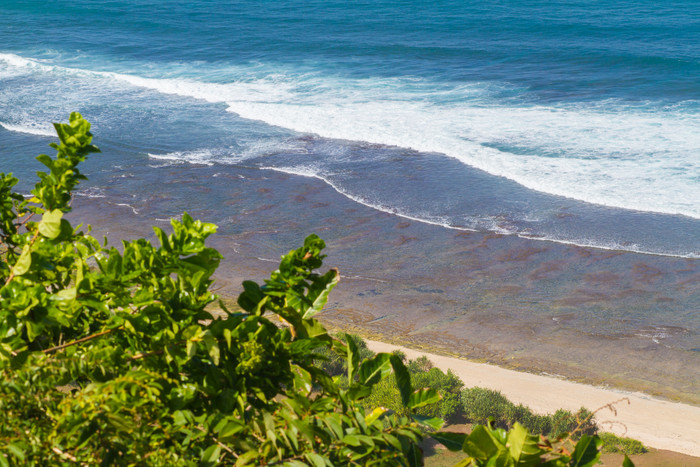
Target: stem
(24, 222)
(64, 454)
(79, 341)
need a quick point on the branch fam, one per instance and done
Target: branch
(79, 341)
(24, 222)
(64, 454)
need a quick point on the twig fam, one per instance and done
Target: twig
(141, 355)
(64, 454)
(24, 222)
(79, 341)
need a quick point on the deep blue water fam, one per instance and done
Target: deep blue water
(572, 121)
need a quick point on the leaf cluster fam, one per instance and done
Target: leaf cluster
(108, 356)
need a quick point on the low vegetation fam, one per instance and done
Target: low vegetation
(613, 443)
(108, 356)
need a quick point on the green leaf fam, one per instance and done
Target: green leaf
(318, 293)
(230, 429)
(374, 416)
(314, 328)
(481, 444)
(353, 359)
(432, 422)
(247, 457)
(16, 451)
(374, 369)
(210, 457)
(251, 296)
(303, 382)
(316, 460)
(50, 225)
(65, 294)
(352, 440)
(523, 446)
(627, 462)
(403, 379)
(452, 441)
(414, 455)
(423, 397)
(587, 451)
(24, 262)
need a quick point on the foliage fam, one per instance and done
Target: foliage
(108, 356)
(449, 387)
(386, 394)
(578, 424)
(489, 446)
(335, 364)
(614, 443)
(480, 405)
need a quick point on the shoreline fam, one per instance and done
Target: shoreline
(657, 423)
(594, 316)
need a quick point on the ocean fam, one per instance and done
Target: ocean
(397, 130)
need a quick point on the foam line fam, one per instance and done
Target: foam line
(610, 246)
(28, 129)
(609, 153)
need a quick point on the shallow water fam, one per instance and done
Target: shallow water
(606, 317)
(461, 160)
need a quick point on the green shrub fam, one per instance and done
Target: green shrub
(613, 443)
(578, 424)
(386, 394)
(538, 424)
(419, 365)
(109, 356)
(447, 384)
(480, 404)
(335, 364)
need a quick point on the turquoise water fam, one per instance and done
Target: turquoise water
(517, 181)
(577, 122)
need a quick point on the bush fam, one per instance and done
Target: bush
(480, 404)
(335, 364)
(386, 394)
(447, 384)
(578, 424)
(108, 356)
(613, 443)
(538, 424)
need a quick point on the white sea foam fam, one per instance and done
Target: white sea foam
(133, 209)
(614, 156)
(632, 160)
(492, 224)
(29, 128)
(425, 218)
(91, 192)
(609, 153)
(203, 157)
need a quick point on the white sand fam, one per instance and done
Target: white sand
(656, 423)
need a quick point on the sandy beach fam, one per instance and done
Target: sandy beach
(657, 423)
